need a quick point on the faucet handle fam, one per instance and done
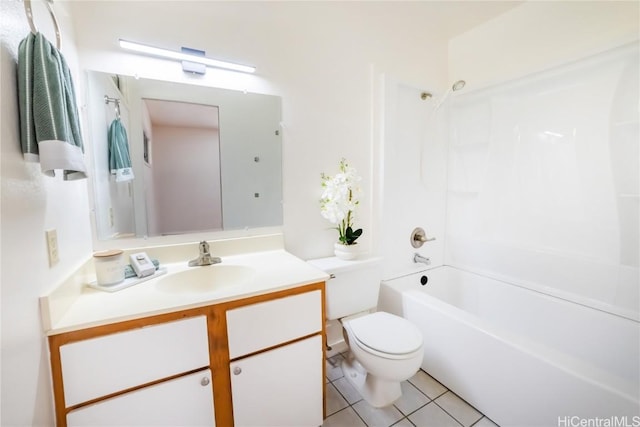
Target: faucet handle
(418, 237)
(205, 257)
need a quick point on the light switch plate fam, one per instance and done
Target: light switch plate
(52, 246)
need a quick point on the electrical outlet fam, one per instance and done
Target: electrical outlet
(52, 246)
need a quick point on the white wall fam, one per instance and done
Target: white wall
(413, 156)
(321, 57)
(30, 204)
(186, 165)
(537, 35)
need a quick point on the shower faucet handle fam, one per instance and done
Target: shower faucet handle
(419, 237)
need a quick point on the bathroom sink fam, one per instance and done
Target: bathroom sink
(206, 279)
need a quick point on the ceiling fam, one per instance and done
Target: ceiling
(203, 24)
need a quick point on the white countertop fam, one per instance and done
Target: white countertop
(273, 270)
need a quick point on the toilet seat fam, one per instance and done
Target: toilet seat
(386, 335)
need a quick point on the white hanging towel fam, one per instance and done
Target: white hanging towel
(119, 160)
(49, 124)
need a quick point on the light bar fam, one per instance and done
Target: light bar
(179, 56)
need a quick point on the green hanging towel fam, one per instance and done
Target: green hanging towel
(119, 160)
(49, 123)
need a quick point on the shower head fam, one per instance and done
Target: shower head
(458, 85)
(455, 87)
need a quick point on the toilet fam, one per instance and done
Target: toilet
(384, 349)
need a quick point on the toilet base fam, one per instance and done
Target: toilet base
(376, 391)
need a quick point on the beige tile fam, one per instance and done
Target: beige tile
(333, 367)
(403, 423)
(345, 418)
(427, 384)
(411, 398)
(335, 401)
(458, 408)
(432, 415)
(377, 417)
(485, 422)
(347, 390)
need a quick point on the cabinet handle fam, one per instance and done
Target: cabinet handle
(237, 370)
(204, 381)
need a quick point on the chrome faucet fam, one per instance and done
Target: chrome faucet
(419, 258)
(205, 257)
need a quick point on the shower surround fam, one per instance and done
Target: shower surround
(537, 184)
(543, 187)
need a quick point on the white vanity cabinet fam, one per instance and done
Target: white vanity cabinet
(250, 361)
(277, 361)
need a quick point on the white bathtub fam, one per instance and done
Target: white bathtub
(521, 357)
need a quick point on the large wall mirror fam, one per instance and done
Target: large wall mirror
(203, 159)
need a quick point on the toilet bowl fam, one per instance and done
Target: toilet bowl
(384, 351)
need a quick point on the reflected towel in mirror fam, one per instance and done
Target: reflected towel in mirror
(119, 160)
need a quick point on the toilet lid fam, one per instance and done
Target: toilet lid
(386, 333)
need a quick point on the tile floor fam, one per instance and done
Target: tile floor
(424, 402)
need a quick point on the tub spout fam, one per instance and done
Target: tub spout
(419, 258)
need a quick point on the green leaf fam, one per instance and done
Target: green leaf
(351, 235)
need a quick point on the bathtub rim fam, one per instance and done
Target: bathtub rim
(540, 289)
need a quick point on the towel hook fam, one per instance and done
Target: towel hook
(116, 102)
(34, 29)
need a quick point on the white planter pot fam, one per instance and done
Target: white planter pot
(346, 252)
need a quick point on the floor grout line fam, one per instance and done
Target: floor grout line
(404, 417)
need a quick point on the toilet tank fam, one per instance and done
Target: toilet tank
(353, 286)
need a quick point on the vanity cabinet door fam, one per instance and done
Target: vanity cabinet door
(185, 401)
(280, 387)
(112, 363)
(259, 326)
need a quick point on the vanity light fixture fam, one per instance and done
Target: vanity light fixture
(181, 56)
